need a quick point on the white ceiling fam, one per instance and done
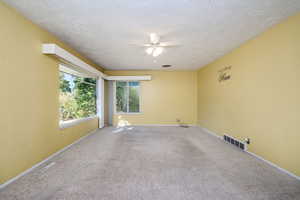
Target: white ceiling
(105, 30)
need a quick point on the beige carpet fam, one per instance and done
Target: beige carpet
(152, 163)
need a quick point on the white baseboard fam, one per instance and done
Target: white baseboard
(174, 125)
(253, 154)
(274, 165)
(210, 132)
(3, 185)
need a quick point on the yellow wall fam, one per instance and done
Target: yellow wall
(169, 95)
(29, 97)
(262, 99)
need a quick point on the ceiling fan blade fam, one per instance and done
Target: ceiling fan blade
(142, 45)
(168, 44)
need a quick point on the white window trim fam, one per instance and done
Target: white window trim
(74, 122)
(76, 65)
(115, 101)
(100, 101)
(99, 98)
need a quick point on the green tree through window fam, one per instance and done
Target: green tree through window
(77, 97)
(127, 97)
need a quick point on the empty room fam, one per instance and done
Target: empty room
(150, 100)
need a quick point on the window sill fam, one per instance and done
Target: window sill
(70, 123)
(133, 113)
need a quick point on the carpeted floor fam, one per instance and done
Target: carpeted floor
(152, 163)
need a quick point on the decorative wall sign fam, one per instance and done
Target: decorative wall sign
(224, 74)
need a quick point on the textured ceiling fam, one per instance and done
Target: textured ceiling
(105, 30)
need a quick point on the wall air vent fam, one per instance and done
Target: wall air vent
(235, 142)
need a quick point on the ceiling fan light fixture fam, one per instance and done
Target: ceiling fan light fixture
(154, 38)
(149, 50)
(157, 51)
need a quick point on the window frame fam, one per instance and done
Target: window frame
(73, 122)
(115, 99)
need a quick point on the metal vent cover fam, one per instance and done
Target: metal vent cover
(235, 142)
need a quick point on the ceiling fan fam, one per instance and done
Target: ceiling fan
(155, 47)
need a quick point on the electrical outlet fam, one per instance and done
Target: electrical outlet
(247, 140)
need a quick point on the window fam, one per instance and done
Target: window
(127, 97)
(77, 97)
